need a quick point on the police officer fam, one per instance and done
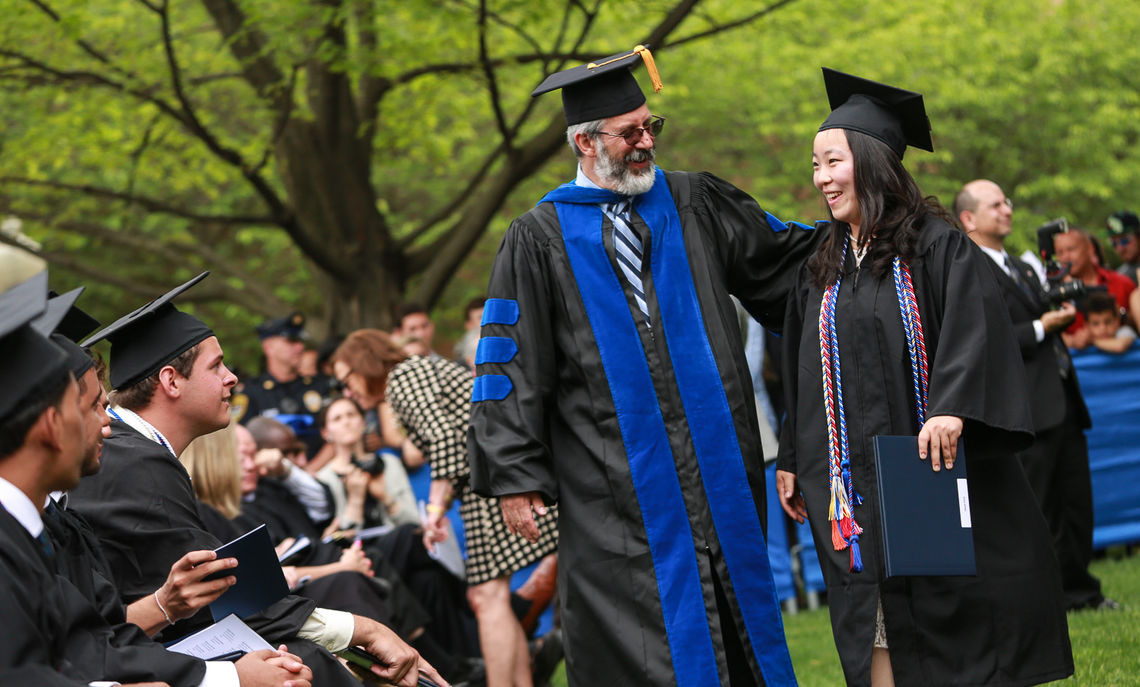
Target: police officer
(281, 391)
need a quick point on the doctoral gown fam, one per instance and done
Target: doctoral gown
(646, 587)
(1006, 626)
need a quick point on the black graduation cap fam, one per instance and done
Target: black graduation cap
(65, 324)
(150, 337)
(27, 359)
(895, 116)
(603, 88)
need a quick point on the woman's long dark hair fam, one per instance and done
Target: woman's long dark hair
(893, 210)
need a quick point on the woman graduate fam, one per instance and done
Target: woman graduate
(897, 328)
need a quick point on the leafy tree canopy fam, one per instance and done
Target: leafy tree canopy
(339, 156)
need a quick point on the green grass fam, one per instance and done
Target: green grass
(1106, 645)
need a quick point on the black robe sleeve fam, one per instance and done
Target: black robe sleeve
(513, 429)
(793, 330)
(762, 257)
(977, 373)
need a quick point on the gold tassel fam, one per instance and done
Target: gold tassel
(650, 66)
(646, 57)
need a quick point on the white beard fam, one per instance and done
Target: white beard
(620, 178)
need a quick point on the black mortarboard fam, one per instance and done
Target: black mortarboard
(603, 88)
(65, 325)
(69, 320)
(291, 327)
(892, 115)
(150, 337)
(27, 359)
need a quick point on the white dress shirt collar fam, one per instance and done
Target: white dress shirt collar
(19, 506)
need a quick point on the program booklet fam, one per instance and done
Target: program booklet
(260, 581)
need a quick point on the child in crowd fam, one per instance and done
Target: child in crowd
(1105, 329)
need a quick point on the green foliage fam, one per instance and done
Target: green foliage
(1037, 95)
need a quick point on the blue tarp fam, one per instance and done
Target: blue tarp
(1111, 387)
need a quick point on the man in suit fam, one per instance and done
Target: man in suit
(1058, 462)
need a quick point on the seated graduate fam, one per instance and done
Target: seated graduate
(78, 559)
(171, 386)
(54, 635)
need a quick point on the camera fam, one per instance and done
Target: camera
(1057, 290)
(373, 465)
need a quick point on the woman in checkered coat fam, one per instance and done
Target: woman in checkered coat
(432, 398)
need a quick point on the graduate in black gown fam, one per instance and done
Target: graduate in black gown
(627, 400)
(168, 374)
(890, 253)
(79, 560)
(55, 628)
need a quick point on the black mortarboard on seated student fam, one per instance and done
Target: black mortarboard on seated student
(892, 115)
(65, 324)
(603, 88)
(27, 359)
(150, 337)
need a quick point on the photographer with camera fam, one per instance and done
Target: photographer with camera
(1057, 464)
(1074, 250)
(368, 488)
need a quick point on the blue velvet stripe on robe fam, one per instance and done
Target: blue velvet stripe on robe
(646, 439)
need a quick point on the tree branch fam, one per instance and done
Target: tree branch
(480, 175)
(736, 23)
(173, 254)
(146, 202)
(86, 47)
(498, 19)
(371, 88)
(456, 203)
(492, 84)
(251, 49)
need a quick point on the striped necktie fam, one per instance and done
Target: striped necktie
(629, 251)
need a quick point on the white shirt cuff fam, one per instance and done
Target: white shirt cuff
(1039, 330)
(331, 629)
(310, 492)
(220, 674)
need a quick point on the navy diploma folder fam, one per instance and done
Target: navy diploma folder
(260, 581)
(926, 524)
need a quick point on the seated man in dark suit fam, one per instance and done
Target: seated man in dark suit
(1058, 462)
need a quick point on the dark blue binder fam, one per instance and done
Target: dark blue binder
(260, 581)
(926, 524)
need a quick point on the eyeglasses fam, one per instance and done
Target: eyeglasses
(633, 135)
(1121, 240)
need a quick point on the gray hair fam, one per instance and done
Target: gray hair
(590, 129)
